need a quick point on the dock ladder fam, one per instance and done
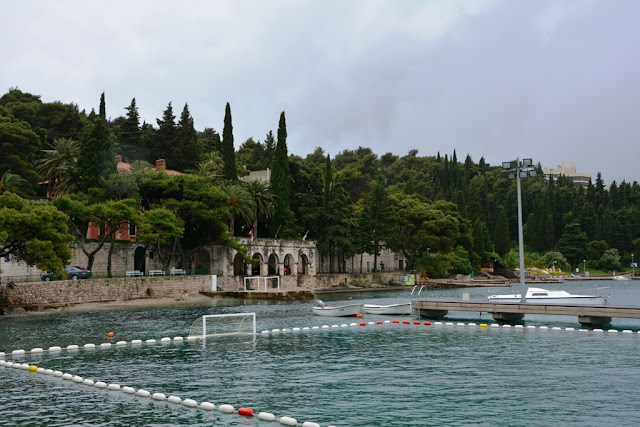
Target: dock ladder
(416, 295)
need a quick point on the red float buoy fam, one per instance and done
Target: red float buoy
(406, 322)
(396, 321)
(416, 323)
(363, 324)
(427, 323)
(379, 322)
(110, 335)
(248, 412)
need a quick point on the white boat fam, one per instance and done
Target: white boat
(620, 278)
(544, 296)
(350, 310)
(404, 308)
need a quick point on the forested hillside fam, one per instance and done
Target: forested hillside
(443, 213)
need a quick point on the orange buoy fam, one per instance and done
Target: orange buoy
(416, 323)
(396, 321)
(248, 412)
(110, 335)
(427, 323)
(406, 322)
(360, 315)
(350, 298)
(363, 324)
(379, 322)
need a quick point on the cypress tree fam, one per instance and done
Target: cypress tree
(280, 183)
(228, 151)
(96, 161)
(103, 108)
(269, 148)
(165, 138)
(129, 135)
(186, 152)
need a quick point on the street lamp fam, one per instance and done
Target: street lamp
(517, 169)
(584, 271)
(554, 267)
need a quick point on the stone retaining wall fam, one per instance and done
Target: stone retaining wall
(40, 295)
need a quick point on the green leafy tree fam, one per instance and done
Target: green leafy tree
(96, 160)
(610, 260)
(228, 150)
(209, 140)
(573, 244)
(378, 208)
(186, 150)
(19, 146)
(33, 232)
(501, 238)
(160, 227)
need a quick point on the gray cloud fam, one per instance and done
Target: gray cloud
(549, 80)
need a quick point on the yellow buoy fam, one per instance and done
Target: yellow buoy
(33, 368)
(483, 325)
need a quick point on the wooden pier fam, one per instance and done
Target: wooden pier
(594, 315)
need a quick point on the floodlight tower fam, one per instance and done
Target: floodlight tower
(516, 169)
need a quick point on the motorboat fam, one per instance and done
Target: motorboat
(350, 310)
(620, 278)
(544, 296)
(404, 308)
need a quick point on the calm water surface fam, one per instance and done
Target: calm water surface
(382, 375)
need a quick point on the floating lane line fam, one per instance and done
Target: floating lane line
(142, 393)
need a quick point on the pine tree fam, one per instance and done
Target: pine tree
(228, 150)
(186, 151)
(269, 149)
(501, 234)
(280, 183)
(165, 137)
(129, 135)
(96, 160)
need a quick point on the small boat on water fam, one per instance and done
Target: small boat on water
(620, 278)
(404, 308)
(544, 296)
(350, 310)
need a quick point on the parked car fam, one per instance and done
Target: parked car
(72, 272)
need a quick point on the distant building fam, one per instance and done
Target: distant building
(261, 175)
(582, 179)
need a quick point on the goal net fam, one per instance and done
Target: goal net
(211, 325)
(261, 283)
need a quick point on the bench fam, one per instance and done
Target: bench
(134, 273)
(177, 272)
(156, 272)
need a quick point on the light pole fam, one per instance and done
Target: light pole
(633, 267)
(554, 267)
(584, 270)
(517, 169)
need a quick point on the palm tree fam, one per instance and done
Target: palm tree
(211, 166)
(58, 165)
(264, 201)
(11, 183)
(241, 204)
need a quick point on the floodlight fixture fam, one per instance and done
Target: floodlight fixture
(506, 165)
(533, 173)
(511, 175)
(527, 163)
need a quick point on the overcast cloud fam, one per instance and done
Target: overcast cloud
(550, 80)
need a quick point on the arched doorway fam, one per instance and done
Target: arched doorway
(274, 268)
(256, 266)
(288, 263)
(139, 262)
(303, 265)
(239, 267)
(202, 262)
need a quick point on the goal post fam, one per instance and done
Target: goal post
(264, 283)
(211, 325)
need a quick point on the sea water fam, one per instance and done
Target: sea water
(389, 374)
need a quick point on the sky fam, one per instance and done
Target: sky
(549, 80)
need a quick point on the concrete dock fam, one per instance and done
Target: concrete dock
(593, 315)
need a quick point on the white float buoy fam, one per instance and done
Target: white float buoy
(55, 348)
(325, 326)
(67, 376)
(387, 321)
(335, 326)
(8, 364)
(627, 331)
(136, 342)
(612, 331)
(190, 403)
(569, 329)
(207, 406)
(40, 370)
(165, 339)
(506, 325)
(266, 416)
(24, 366)
(151, 341)
(88, 382)
(543, 327)
(495, 325)
(583, 330)
(2, 362)
(72, 347)
(89, 346)
(275, 330)
(192, 338)
(438, 323)
(519, 326)
(315, 327)
(473, 324)
(142, 393)
(353, 324)
(100, 384)
(227, 409)
(448, 324)
(37, 350)
(128, 390)
(48, 371)
(306, 328)
(295, 329)
(158, 396)
(310, 424)
(531, 327)
(105, 345)
(597, 330)
(113, 387)
(288, 421)
(371, 323)
(178, 339)
(344, 325)
(121, 343)
(460, 324)
(77, 379)
(265, 332)
(174, 399)
(17, 352)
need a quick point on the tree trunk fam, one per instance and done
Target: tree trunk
(109, 258)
